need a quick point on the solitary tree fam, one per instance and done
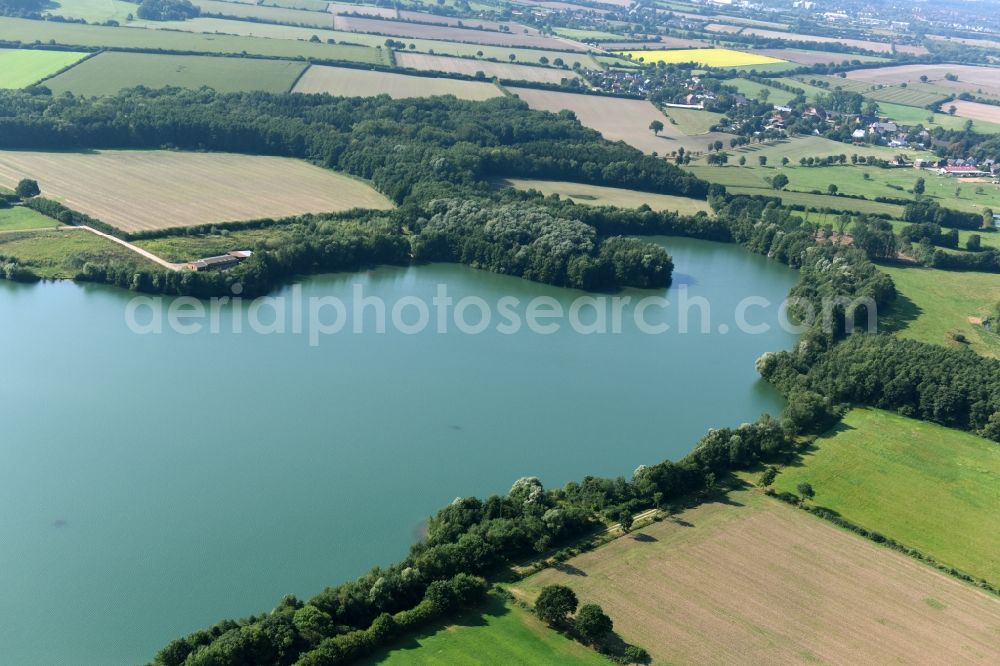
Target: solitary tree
(543, 60)
(832, 189)
(975, 243)
(28, 188)
(988, 222)
(918, 187)
(762, 159)
(952, 109)
(779, 181)
(806, 490)
(743, 160)
(784, 161)
(592, 624)
(555, 603)
(656, 126)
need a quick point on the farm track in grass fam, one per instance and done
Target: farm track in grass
(936, 305)
(753, 580)
(597, 195)
(23, 67)
(619, 119)
(926, 486)
(497, 633)
(109, 72)
(75, 34)
(137, 190)
(508, 71)
(345, 82)
(59, 254)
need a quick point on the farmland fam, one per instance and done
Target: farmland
(74, 34)
(976, 111)
(618, 119)
(939, 305)
(266, 14)
(500, 633)
(912, 115)
(752, 89)
(704, 57)
(136, 190)
(924, 485)
(448, 33)
(865, 44)
(693, 121)
(912, 95)
(753, 580)
(804, 57)
(596, 195)
(969, 76)
(469, 67)
(109, 72)
(362, 83)
(22, 67)
(20, 218)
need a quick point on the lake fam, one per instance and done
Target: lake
(153, 484)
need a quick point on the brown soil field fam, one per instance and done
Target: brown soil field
(857, 43)
(805, 57)
(451, 34)
(970, 77)
(620, 120)
(508, 71)
(139, 190)
(755, 581)
(719, 27)
(974, 110)
(342, 81)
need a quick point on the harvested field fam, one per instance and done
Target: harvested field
(755, 581)
(704, 57)
(597, 195)
(865, 44)
(804, 57)
(975, 110)
(970, 77)
(23, 67)
(912, 95)
(502, 70)
(345, 82)
(137, 190)
(361, 10)
(448, 33)
(720, 27)
(109, 72)
(619, 119)
(467, 22)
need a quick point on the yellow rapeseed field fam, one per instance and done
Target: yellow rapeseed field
(704, 57)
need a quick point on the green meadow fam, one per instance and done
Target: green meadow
(22, 67)
(109, 72)
(937, 306)
(19, 218)
(926, 486)
(499, 633)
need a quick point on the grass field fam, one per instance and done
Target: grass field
(596, 195)
(929, 487)
(267, 14)
(449, 33)
(60, 253)
(588, 35)
(755, 581)
(75, 34)
(499, 633)
(92, 11)
(19, 218)
(619, 119)
(692, 121)
(109, 72)
(503, 70)
(364, 83)
(909, 115)
(137, 190)
(911, 95)
(752, 89)
(936, 305)
(22, 67)
(704, 57)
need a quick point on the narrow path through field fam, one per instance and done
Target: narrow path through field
(138, 250)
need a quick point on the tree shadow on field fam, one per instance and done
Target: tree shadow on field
(494, 606)
(568, 569)
(642, 537)
(899, 315)
(799, 457)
